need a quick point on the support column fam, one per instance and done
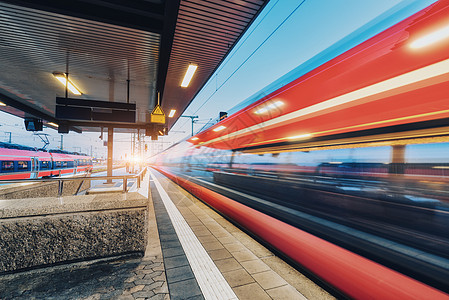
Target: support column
(110, 151)
(110, 129)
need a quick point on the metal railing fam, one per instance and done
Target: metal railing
(139, 177)
(53, 171)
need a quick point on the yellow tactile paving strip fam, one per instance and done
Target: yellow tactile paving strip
(252, 271)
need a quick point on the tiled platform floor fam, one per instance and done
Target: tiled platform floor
(130, 277)
(252, 271)
(249, 270)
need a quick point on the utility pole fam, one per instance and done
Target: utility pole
(191, 118)
(9, 137)
(132, 145)
(62, 142)
(142, 145)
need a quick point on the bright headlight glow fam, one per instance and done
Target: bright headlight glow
(431, 38)
(269, 107)
(301, 136)
(219, 128)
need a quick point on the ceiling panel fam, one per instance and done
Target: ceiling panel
(103, 41)
(35, 43)
(205, 32)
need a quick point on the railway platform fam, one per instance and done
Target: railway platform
(192, 253)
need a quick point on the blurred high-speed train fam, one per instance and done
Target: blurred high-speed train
(23, 162)
(344, 170)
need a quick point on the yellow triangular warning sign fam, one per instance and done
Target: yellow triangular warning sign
(157, 115)
(157, 110)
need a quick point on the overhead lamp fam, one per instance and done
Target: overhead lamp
(268, 107)
(52, 124)
(219, 128)
(62, 78)
(301, 136)
(195, 138)
(2, 104)
(172, 113)
(188, 76)
(431, 38)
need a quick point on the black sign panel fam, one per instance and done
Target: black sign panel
(95, 110)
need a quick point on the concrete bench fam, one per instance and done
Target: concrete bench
(37, 232)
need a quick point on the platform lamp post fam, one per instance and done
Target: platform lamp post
(191, 118)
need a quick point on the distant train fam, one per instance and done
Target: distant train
(23, 162)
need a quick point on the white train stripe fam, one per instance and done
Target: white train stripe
(431, 71)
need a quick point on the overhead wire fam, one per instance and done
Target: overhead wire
(249, 56)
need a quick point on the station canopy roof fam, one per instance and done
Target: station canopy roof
(104, 43)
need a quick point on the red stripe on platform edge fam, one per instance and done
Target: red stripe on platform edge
(353, 274)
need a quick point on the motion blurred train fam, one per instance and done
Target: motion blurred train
(22, 162)
(344, 169)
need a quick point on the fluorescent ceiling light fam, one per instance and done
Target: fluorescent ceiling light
(2, 104)
(52, 124)
(301, 136)
(431, 38)
(268, 107)
(219, 128)
(188, 76)
(195, 138)
(172, 113)
(61, 77)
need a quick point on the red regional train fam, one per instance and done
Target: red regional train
(22, 162)
(344, 169)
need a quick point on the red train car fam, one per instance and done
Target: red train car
(375, 87)
(22, 162)
(390, 208)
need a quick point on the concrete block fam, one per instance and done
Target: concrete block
(41, 189)
(48, 231)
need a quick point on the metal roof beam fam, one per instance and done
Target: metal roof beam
(32, 112)
(140, 15)
(171, 16)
